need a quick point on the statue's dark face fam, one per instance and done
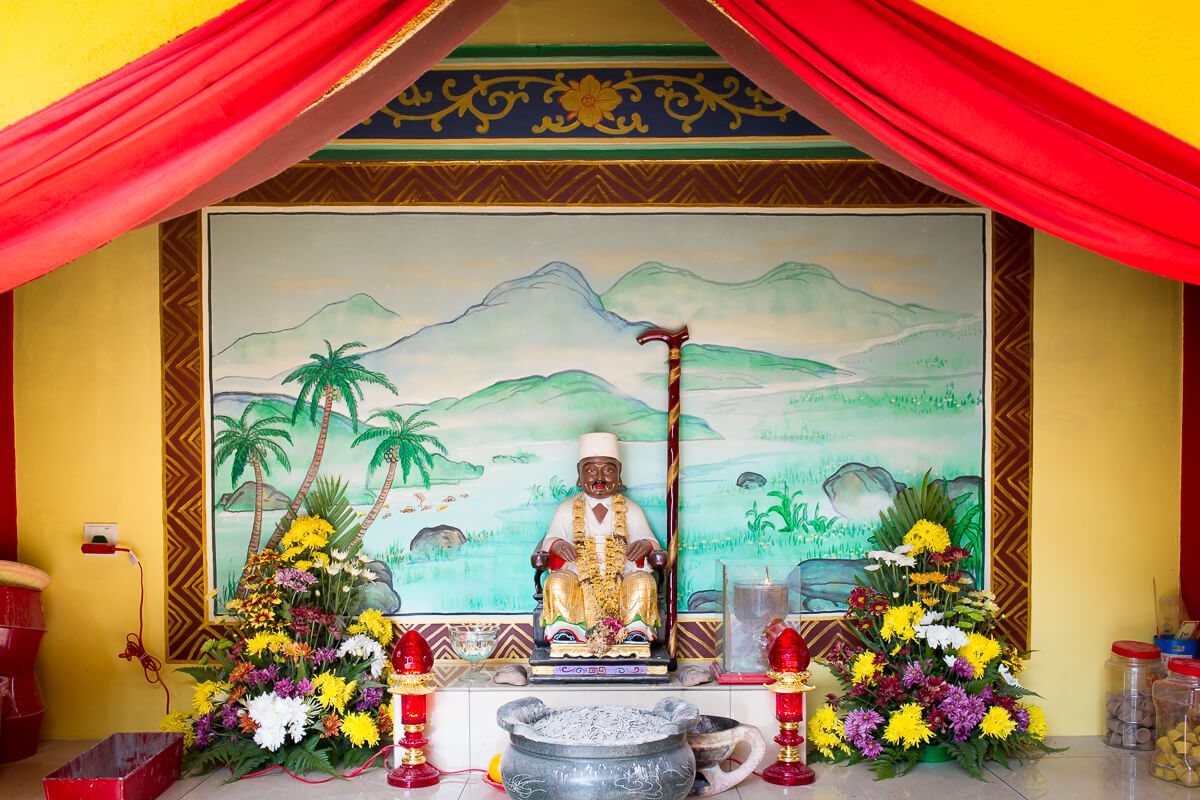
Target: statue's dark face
(599, 477)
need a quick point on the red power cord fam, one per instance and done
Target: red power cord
(353, 773)
(135, 650)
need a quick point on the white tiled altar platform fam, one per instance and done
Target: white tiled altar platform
(1087, 771)
(462, 727)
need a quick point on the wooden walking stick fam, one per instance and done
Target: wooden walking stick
(674, 342)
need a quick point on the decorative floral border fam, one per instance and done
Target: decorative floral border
(755, 183)
(702, 103)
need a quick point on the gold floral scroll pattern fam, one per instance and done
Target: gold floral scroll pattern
(588, 102)
(759, 183)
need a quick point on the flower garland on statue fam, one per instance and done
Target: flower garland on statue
(931, 666)
(299, 678)
(603, 587)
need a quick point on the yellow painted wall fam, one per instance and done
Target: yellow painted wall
(1106, 448)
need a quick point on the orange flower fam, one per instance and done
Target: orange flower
(297, 651)
(384, 720)
(590, 101)
(239, 673)
(245, 724)
(332, 724)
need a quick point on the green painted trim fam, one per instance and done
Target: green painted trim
(559, 152)
(559, 51)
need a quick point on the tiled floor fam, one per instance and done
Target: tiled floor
(1088, 771)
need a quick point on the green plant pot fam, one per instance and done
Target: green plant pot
(935, 754)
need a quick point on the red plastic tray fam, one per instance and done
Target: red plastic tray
(125, 766)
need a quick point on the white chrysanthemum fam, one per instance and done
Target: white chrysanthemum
(895, 557)
(362, 646)
(354, 569)
(333, 568)
(1007, 676)
(942, 637)
(277, 717)
(931, 617)
(338, 555)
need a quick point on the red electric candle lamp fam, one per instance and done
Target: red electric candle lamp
(789, 661)
(412, 679)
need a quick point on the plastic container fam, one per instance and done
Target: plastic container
(1176, 648)
(1177, 747)
(125, 766)
(1132, 670)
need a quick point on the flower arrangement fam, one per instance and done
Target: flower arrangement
(299, 678)
(930, 667)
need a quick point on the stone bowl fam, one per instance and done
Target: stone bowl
(540, 767)
(713, 740)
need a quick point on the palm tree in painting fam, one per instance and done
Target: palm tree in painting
(252, 443)
(401, 442)
(328, 377)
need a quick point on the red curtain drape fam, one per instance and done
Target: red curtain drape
(951, 108)
(217, 110)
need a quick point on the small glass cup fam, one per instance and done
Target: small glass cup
(474, 643)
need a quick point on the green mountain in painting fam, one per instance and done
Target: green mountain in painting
(359, 318)
(824, 316)
(951, 350)
(714, 367)
(551, 408)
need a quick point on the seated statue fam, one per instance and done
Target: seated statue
(600, 590)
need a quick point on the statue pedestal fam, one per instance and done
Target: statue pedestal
(545, 668)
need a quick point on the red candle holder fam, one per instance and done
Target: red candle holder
(789, 661)
(412, 679)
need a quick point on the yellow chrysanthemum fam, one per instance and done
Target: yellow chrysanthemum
(825, 732)
(922, 578)
(332, 691)
(208, 694)
(372, 623)
(360, 729)
(179, 722)
(305, 535)
(900, 621)
(979, 651)
(927, 537)
(1037, 722)
(865, 669)
(998, 723)
(259, 642)
(907, 725)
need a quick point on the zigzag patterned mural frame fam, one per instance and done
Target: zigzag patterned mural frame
(773, 184)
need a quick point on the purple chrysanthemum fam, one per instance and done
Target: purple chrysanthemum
(963, 711)
(258, 677)
(323, 655)
(871, 748)
(962, 669)
(371, 696)
(862, 722)
(229, 717)
(204, 726)
(294, 579)
(913, 675)
(1021, 716)
(285, 687)
(303, 687)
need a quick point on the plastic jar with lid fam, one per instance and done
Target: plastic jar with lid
(1132, 670)
(1177, 700)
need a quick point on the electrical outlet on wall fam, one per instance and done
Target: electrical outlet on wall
(100, 533)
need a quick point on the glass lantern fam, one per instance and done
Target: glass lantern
(755, 593)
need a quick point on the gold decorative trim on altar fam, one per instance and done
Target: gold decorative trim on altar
(580, 650)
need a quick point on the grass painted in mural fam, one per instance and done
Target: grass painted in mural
(809, 404)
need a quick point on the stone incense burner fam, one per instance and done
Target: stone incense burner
(597, 752)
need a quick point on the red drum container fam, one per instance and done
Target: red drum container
(22, 626)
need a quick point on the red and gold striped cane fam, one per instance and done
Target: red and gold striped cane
(674, 342)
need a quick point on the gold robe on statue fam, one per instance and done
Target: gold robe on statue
(562, 596)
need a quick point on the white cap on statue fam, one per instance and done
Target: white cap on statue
(598, 445)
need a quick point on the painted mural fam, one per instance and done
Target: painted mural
(443, 363)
